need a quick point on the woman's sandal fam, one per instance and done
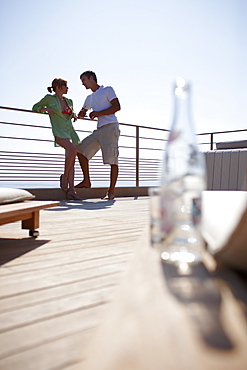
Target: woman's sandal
(73, 196)
(61, 184)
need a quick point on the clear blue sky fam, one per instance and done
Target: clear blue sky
(139, 47)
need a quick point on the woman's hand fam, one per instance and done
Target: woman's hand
(48, 110)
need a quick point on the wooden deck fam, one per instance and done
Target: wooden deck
(90, 293)
(55, 289)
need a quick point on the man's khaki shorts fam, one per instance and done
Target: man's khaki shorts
(104, 138)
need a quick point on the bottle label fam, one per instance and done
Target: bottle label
(196, 210)
(167, 221)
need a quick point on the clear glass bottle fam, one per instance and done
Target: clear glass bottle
(183, 180)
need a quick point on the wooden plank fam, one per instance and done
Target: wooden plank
(58, 286)
(167, 318)
(217, 170)
(67, 257)
(57, 354)
(63, 305)
(16, 217)
(210, 159)
(242, 172)
(234, 168)
(225, 178)
(16, 209)
(63, 241)
(32, 298)
(17, 341)
(32, 222)
(58, 277)
(27, 212)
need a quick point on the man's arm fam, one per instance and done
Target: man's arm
(115, 106)
(82, 113)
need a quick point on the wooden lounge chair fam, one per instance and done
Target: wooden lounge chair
(27, 212)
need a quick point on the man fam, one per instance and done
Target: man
(104, 104)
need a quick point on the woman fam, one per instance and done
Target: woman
(60, 110)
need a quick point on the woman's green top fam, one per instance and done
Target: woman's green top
(61, 127)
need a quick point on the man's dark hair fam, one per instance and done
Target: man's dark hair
(88, 74)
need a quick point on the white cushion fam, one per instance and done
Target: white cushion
(9, 195)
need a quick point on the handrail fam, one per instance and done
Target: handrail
(145, 168)
(129, 124)
(137, 144)
(219, 132)
(84, 118)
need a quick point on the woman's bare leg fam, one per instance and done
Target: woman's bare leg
(71, 151)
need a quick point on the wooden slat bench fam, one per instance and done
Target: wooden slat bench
(27, 212)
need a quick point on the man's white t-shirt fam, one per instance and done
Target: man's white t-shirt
(99, 100)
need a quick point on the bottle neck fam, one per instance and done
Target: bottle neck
(182, 156)
(182, 123)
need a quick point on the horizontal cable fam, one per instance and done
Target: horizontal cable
(24, 166)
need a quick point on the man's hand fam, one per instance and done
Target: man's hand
(82, 113)
(94, 114)
(114, 107)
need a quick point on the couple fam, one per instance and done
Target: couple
(104, 104)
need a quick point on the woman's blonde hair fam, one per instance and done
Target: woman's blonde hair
(57, 82)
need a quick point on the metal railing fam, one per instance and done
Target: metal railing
(140, 160)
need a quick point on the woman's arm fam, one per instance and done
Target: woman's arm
(41, 106)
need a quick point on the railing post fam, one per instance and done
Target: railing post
(137, 156)
(211, 141)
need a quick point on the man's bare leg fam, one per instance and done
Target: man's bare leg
(85, 169)
(114, 175)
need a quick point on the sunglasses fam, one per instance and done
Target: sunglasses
(64, 84)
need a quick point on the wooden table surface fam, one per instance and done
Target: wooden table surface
(163, 318)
